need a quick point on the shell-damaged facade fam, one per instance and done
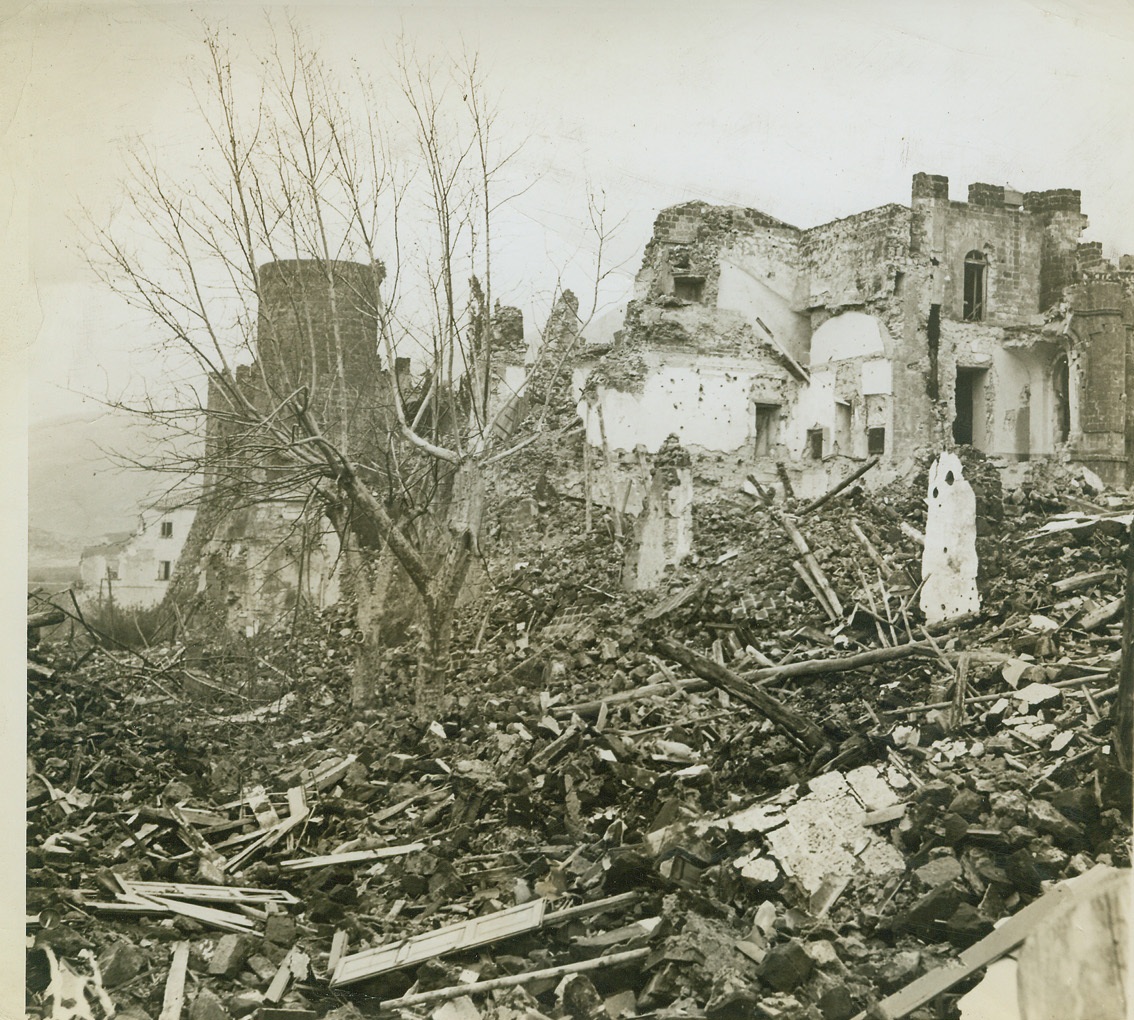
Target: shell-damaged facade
(892, 332)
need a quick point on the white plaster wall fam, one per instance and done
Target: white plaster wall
(814, 408)
(850, 335)
(507, 384)
(579, 376)
(742, 290)
(877, 377)
(706, 404)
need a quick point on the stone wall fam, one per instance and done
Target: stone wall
(852, 261)
(1101, 325)
(1029, 241)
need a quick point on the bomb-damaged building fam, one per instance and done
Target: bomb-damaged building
(889, 333)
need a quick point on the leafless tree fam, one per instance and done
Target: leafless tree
(304, 221)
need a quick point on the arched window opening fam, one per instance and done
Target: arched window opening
(975, 265)
(1061, 384)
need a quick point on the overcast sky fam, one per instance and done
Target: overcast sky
(807, 109)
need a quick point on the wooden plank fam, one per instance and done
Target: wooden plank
(338, 950)
(592, 908)
(477, 931)
(1111, 610)
(1067, 584)
(477, 987)
(174, 996)
(294, 965)
(124, 907)
(208, 893)
(297, 801)
(258, 802)
(224, 920)
(351, 857)
(811, 562)
(989, 949)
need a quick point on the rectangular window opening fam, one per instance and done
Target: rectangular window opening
(112, 573)
(968, 423)
(844, 420)
(875, 441)
(164, 569)
(688, 288)
(767, 422)
(975, 266)
(815, 444)
(167, 529)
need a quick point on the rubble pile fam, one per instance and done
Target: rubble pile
(766, 790)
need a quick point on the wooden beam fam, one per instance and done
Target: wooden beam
(175, 983)
(476, 987)
(788, 720)
(831, 493)
(811, 562)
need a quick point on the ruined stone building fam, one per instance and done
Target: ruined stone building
(891, 332)
(261, 543)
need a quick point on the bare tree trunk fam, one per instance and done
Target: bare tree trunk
(364, 582)
(463, 523)
(433, 664)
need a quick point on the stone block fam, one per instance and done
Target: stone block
(262, 967)
(939, 871)
(968, 804)
(245, 1002)
(280, 928)
(1046, 819)
(733, 1004)
(120, 962)
(621, 1004)
(207, 1006)
(966, 926)
(229, 956)
(926, 917)
(786, 967)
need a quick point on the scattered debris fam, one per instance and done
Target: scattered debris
(772, 789)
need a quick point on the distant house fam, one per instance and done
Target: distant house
(135, 569)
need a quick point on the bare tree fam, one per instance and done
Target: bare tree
(297, 271)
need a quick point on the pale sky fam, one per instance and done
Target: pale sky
(807, 109)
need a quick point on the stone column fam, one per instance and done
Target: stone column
(949, 562)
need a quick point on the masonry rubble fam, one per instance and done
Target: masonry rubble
(720, 796)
